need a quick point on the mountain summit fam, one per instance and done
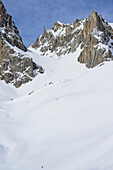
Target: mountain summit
(94, 36)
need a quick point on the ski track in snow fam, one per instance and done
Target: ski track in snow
(62, 120)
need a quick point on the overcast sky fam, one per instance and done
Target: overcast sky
(31, 15)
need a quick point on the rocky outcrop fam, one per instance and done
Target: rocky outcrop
(58, 39)
(15, 66)
(9, 30)
(96, 42)
(93, 35)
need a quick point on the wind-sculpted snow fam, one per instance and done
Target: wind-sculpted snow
(62, 120)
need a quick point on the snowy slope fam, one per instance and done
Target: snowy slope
(62, 120)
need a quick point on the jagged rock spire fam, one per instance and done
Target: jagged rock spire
(44, 30)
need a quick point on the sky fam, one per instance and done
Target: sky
(31, 15)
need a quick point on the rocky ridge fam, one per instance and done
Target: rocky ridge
(93, 35)
(15, 66)
(8, 29)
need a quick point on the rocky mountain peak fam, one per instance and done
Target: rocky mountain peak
(15, 66)
(9, 30)
(94, 37)
(94, 17)
(57, 26)
(96, 20)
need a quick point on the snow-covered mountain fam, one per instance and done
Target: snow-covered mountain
(94, 36)
(63, 118)
(15, 66)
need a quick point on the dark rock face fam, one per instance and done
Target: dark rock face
(94, 36)
(15, 68)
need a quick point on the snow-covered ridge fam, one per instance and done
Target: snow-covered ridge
(62, 30)
(60, 38)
